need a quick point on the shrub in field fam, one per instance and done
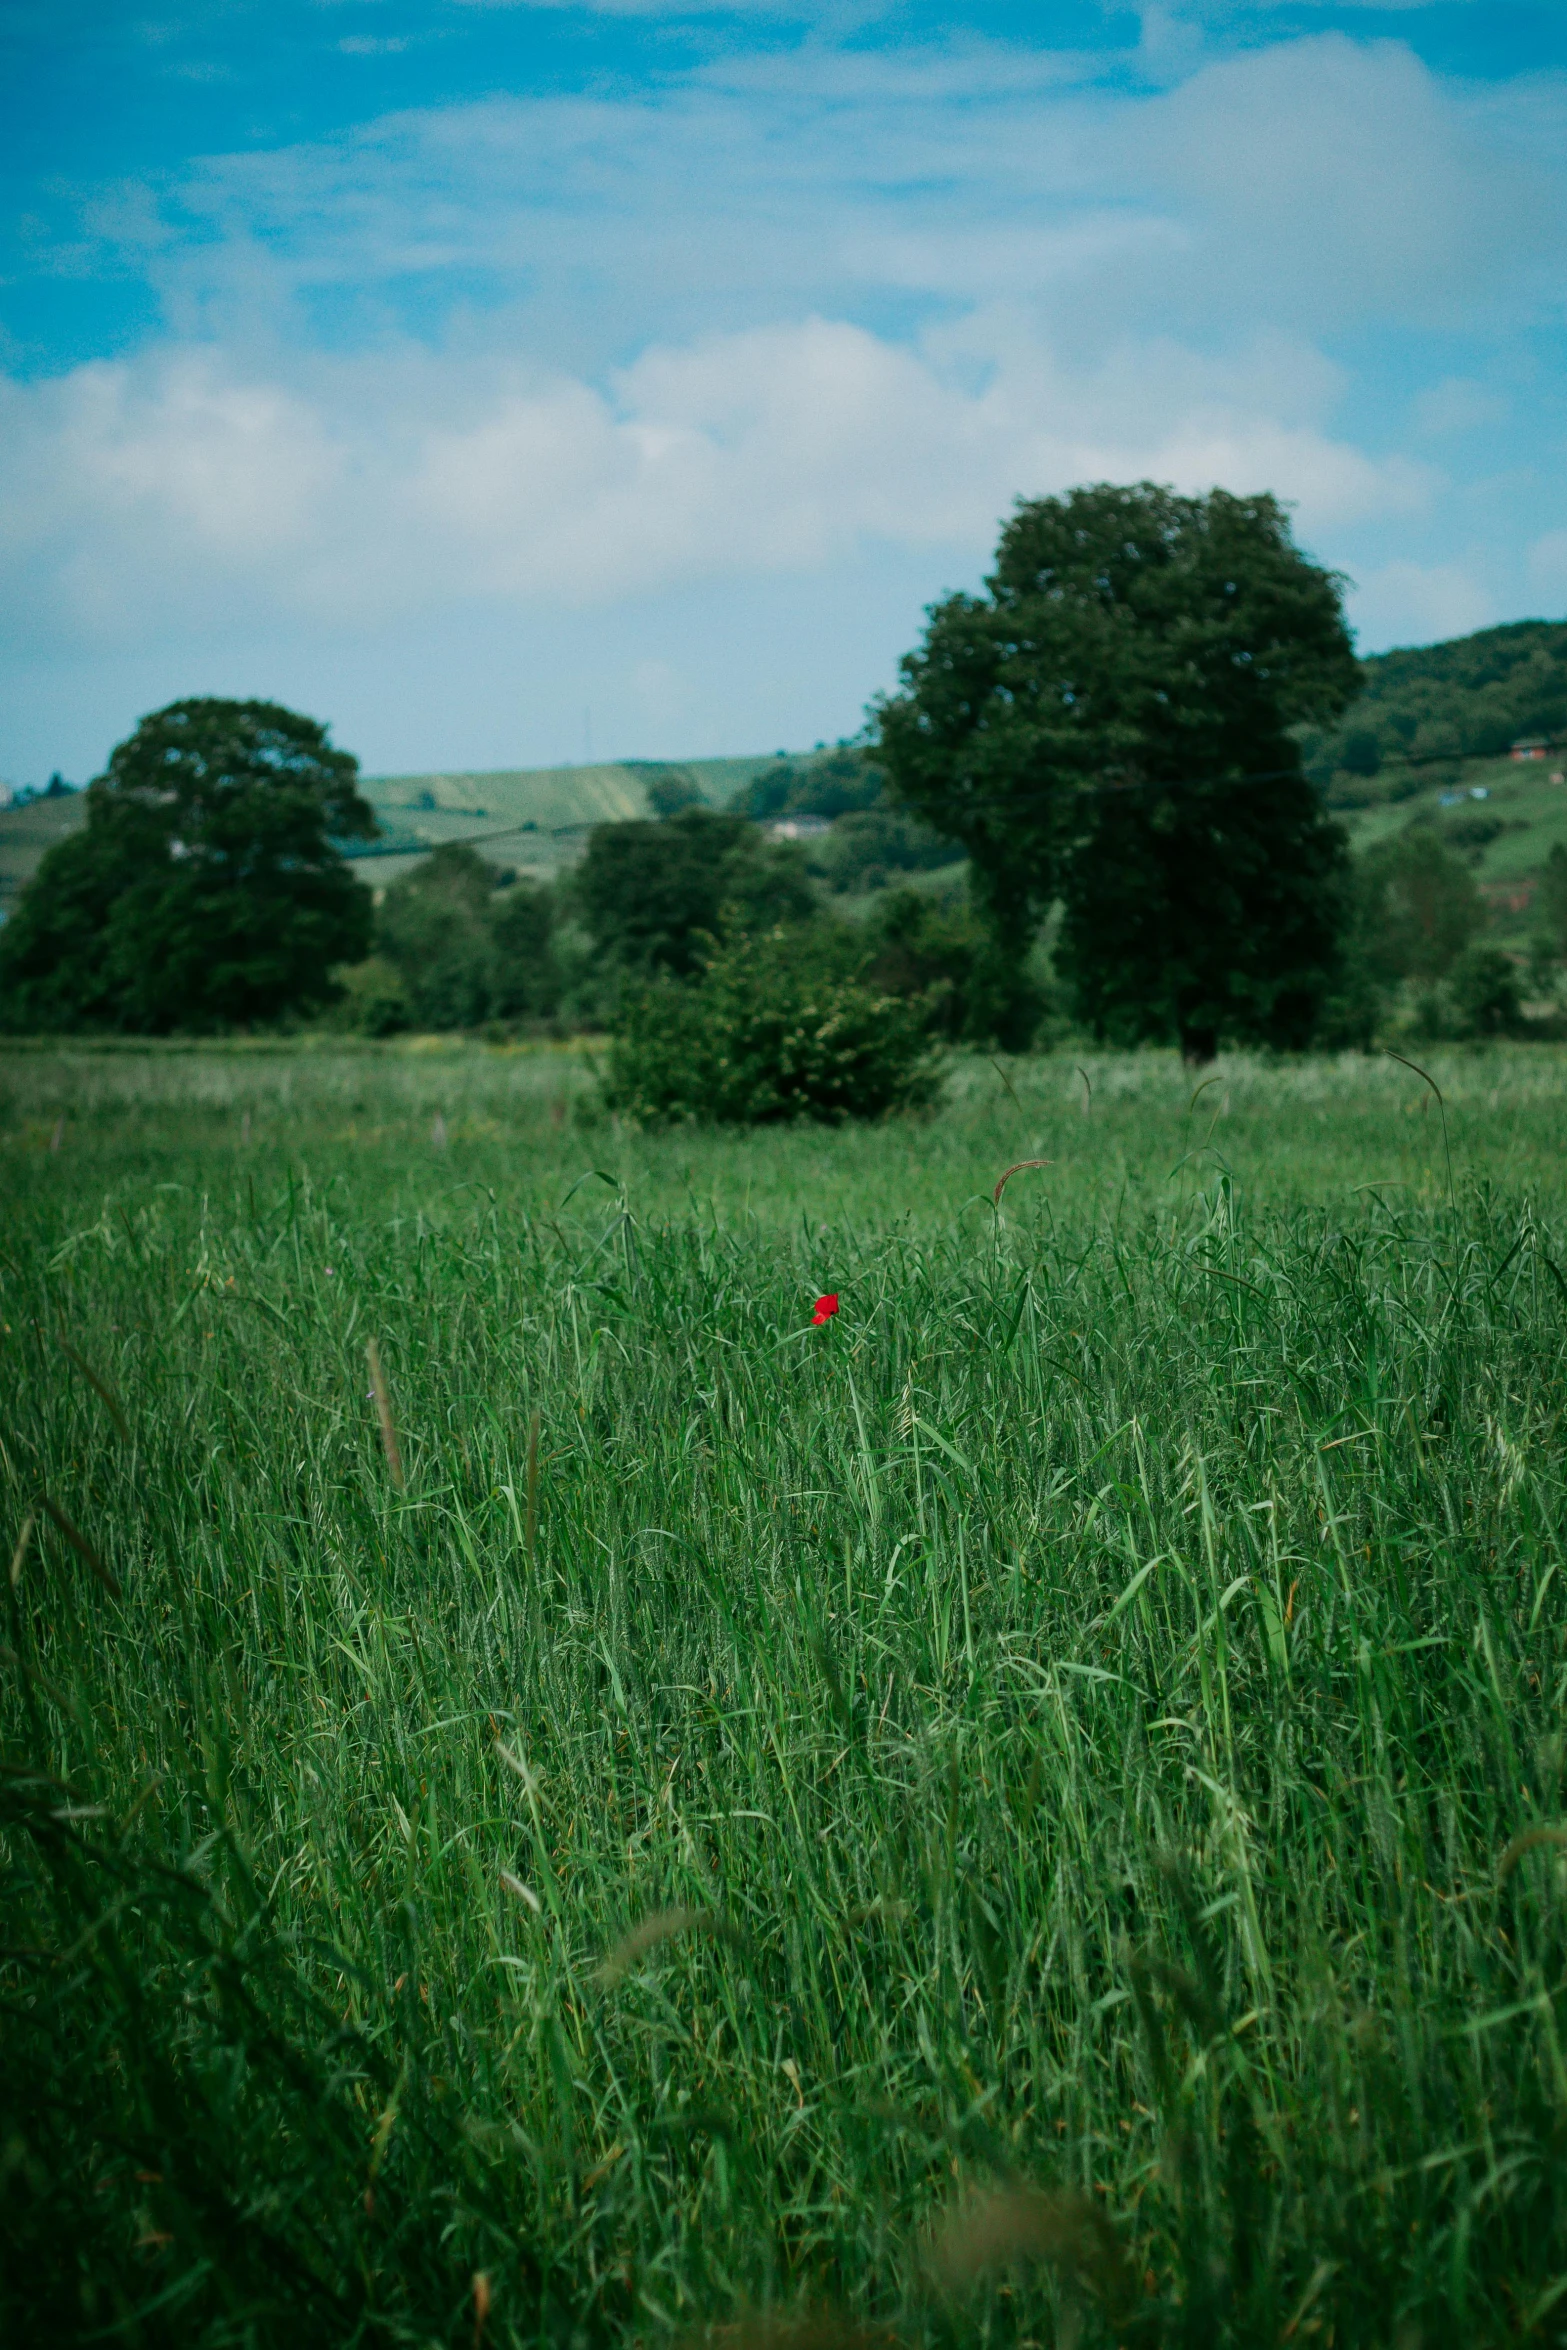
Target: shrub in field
(867, 845)
(782, 1026)
(373, 1000)
(1484, 989)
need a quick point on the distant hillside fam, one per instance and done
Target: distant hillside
(559, 799)
(27, 832)
(1472, 696)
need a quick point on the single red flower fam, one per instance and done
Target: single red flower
(825, 1308)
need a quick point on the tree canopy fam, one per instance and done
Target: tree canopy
(653, 894)
(205, 889)
(468, 942)
(1110, 725)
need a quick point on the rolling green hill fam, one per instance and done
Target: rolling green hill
(533, 818)
(1470, 696)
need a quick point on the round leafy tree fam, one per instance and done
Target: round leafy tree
(204, 890)
(1110, 725)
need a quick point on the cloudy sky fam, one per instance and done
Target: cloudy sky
(509, 380)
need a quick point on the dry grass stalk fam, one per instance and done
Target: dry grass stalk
(481, 2306)
(383, 1405)
(660, 1927)
(1009, 2227)
(1528, 1841)
(82, 1547)
(1016, 1168)
(20, 1552)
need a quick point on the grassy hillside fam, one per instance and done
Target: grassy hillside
(1506, 837)
(25, 834)
(534, 817)
(530, 817)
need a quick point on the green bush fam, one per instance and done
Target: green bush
(650, 894)
(864, 847)
(781, 1026)
(976, 991)
(467, 944)
(373, 1000)
(1484, 989)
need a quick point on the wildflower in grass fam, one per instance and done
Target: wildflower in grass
(824, 1308)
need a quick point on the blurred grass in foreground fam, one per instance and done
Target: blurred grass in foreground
(1033, 1812)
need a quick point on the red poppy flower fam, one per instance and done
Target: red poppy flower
(825, 1308)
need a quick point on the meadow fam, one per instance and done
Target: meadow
(548, 1799)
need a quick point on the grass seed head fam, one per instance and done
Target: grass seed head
(383, 1406)
(661, 1926)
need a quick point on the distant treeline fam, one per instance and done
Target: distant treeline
(1472, 697)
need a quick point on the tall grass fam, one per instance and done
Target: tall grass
(1032, 1811)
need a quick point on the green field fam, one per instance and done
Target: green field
(1029, 1813)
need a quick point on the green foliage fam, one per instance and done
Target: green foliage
(781, 1026)
(1473, 694)
(1417, 907)
(864, 849)
(1083, 1729)
(835, 783)
(1359, 751)
(653, 895)
(1551, 897)
(1483, 986)
(205, 890)
(944, 953)
(467, 943)
(525, 973)
(1093, 727)
(372, 1000)
(672, 789)
(433, 928)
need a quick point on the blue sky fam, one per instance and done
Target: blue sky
(505, 380)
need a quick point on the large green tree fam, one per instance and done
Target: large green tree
(205, 889)
(1110, 725)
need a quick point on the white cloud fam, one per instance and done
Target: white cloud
(1405, 603)
(1312, 185)
(138, 495)
(802, 315)
(1338, 180)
